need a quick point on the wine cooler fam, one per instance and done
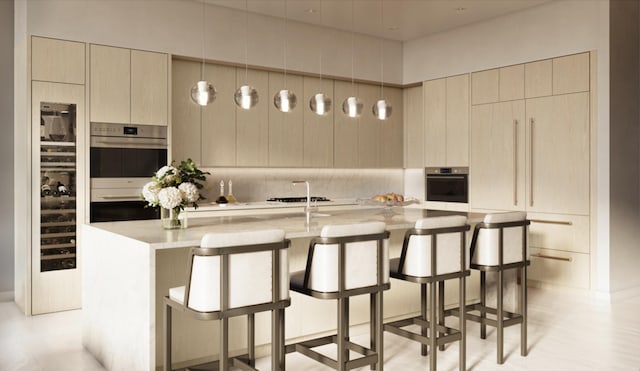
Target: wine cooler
(57, 186)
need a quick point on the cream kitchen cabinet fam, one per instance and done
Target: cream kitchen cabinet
(252, 125)
(414, 139)
(318, 130)
(128, 86)
(446, 121)
(188, 125)
(498, 85)
(538, 79)
(498, 156)
(392, 130)
(370, 146)
(346, 129)
(285, 129)
(57, 60)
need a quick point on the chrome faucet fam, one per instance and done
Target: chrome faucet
(308, 208)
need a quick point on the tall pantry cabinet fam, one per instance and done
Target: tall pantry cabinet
(530, 150)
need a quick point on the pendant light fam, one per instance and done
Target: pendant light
(382, 108)
(320, 103)
(203, 91)
(246, 97)
(285, 100)
(352, 106)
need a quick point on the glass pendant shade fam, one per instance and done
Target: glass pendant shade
(203, 93)
(352, 107)
(382, 109)
(285, 100)
(246, 97)
(320, 104)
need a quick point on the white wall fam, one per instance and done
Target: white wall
(175, 26)
(553, 29)
(6, 149)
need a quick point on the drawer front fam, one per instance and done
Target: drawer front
(559, 268)
(559, 232)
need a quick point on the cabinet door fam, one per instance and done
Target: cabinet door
(558, 154)
(252, 141)
(434, 94)
(345, 129)
(485, 86)
(110, 84)
(318, 130)
(571, 74)
(538, 79)
(149, 88)
(57, 60)
(369, 129)
(218, 135)
(497, 156)
(457, 121)
(512, 82)
(414, 127)
(186, 114)
(392, 133)
(285, 128)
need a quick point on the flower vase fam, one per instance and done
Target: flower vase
(173, 218)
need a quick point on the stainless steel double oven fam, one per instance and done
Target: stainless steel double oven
(122, 159)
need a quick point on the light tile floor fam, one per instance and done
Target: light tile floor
(568, 330)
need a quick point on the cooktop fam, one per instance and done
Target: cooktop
(297, 199)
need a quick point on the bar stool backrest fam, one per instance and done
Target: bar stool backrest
(250, 262)
(361, 258)
(417, 256)
(485, 245)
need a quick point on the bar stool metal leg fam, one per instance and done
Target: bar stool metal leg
(432, 326)
(441, 310)
(462, 325)
(251, 338)
(224, 346)
(523, 306)
(379, 349)
(500, 318)
(483, 304)
(423, 312)
(167, 337)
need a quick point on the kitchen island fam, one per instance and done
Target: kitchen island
(129, 266)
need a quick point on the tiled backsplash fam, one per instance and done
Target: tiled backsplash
(254, 184)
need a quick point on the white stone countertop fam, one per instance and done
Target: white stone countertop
(294, 224)
(212, 206)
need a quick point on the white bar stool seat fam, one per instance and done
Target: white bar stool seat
(233, 274)
(346, 260)
(433, 252)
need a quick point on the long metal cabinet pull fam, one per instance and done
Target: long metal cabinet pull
(552, 257)
(515, 162)
(561, 222)
(531, 122)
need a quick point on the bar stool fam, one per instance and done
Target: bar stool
(346, 260)
(234, 274)
(433, 252)
(501, 243)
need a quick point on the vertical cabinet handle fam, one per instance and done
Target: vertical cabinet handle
(515, 162)
(531, 122)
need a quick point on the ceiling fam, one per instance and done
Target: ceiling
(403, 19)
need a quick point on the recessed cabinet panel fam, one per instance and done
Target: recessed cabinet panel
(559, 232)
(110, 84)
(485, 86)
(370, 139)
(560, 268)
(571, 74)
(252, 125)
(457, 122)
(537, 79)
(512, 82)
(498, 156)
(558, 154)
(392, 141)
(57, 60)
(346, 130)
(285, 128)
(318, 130)
(434, 95)
(414, 127)
(186, 135)
(218, 137)
(149, 81)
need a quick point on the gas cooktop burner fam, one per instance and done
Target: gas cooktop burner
(297, 199)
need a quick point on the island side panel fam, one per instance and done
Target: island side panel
(117, 295)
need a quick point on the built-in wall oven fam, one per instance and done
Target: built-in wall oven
(447, 184)
(122, 159)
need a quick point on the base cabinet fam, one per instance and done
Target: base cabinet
(561, 268)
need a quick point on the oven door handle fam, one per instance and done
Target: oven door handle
(142, 143)
(446, 177)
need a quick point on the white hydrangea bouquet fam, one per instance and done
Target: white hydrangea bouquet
(173, 189)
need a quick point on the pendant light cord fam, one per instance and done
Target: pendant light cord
(382, 50)
(352, 46)
(285, 44)
(246, 41)
(321, 24)
(204, 9)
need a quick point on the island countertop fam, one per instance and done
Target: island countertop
(293, 223)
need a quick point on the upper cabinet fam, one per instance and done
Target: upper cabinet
(571, 74)
(318, 130)
(413, 127)
(252, 125)
(57, 60)
(128, 86)
(446, 121)
(285, 129)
